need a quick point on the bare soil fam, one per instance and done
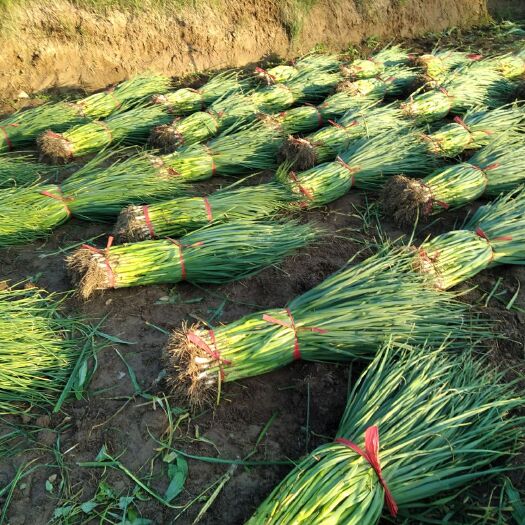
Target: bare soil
(60, 45)
(305, 399)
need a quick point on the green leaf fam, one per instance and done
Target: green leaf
(61, 512)
(49, 486)
(88, 506)
(177, 473)
(518, 508)
(124, 502)
(140, 521)
(82, 374)
(114, 339)
(104, 490)
(168, 458)
(102, 455)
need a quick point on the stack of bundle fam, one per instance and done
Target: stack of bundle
(22, 128)
(184, 101)
(98, 193)
(312, 62)
(480, 84)
(214, 255)
(93, 192)
(241, 108)
(345, 317)
(495, 234)
(496, 168)
(177, 217)
(418, 423)
(307, 86)
(365, 164)
(323, 145)
(350, 99)
(438, 64)
(39, 348)
(479, 126)
(126, 127)
(377, 64)
(256, 149)
(476, 129)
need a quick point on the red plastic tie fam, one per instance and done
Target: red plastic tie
(349, 168)
(307, 193)
(492, 166)
(214, 354)
(6, 135)
(474, 56)
(58, 198)
(207, 205)
(147, 218)
(180, 246)
(320, 120)
(106, 128)
(264, 72)
(199, 92)
(210, 153)
(215, 116)
(337, 125)
(484, 170)
(483, 235)
(117, 102)
(105, 253)
(371, 455)
(445, 92)
(291, 326)
(461, 122)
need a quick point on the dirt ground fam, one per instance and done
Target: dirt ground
(296, 408)
(71, 44)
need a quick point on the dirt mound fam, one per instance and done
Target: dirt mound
(58, 44)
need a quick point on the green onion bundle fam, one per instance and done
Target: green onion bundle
(21, 171)
(177, 217)
(252, 149)
(478, 127)
(496, 168)
(495, 234)
(94, 192)
(323, 145)
(439, 63)
(313, 62)
(371, 67)
(345, 317)
(39, 348)
(479, 84)
(127, 93)
(400, 80)
(127, 127)
(22, 128)
(365, 164)
(307, 118)
(29, 213)
(188, 100)
(213, 255)
(418, 423)
(511, 66)
(241, 108)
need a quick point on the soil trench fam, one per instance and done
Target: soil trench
(57, 44)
